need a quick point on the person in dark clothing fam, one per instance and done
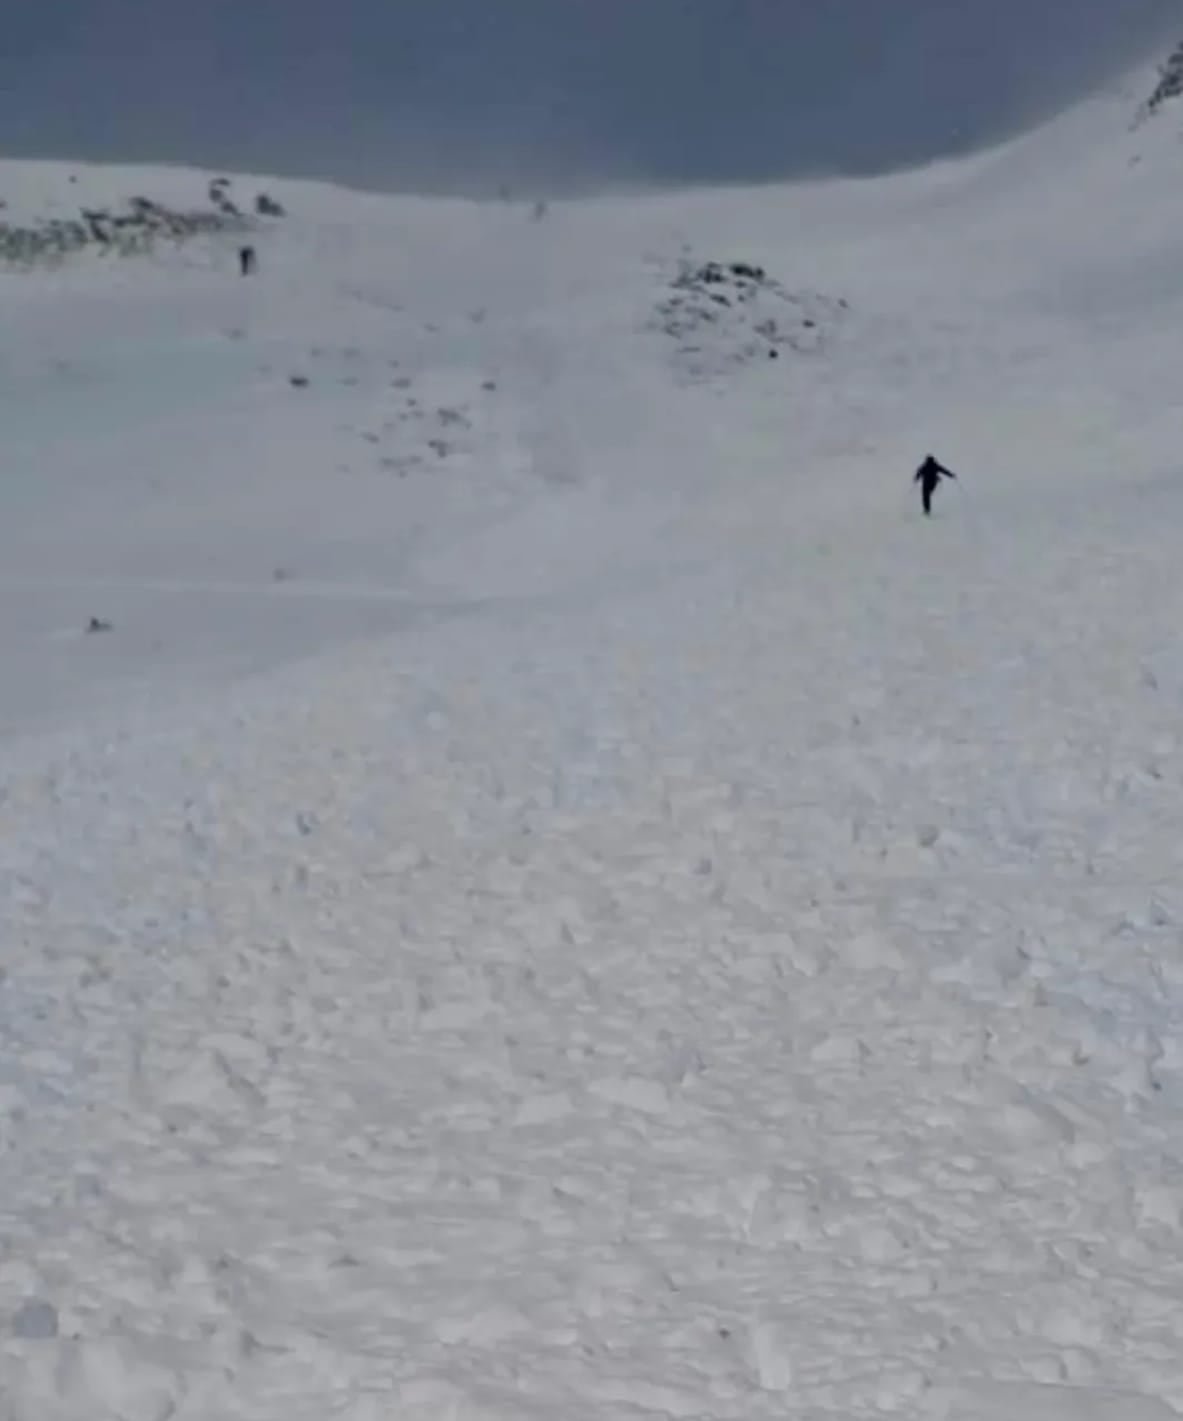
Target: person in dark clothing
(247, 261)
(928, 475)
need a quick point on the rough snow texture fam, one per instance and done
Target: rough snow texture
(627, 920)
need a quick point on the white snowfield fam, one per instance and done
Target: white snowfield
(559, 894)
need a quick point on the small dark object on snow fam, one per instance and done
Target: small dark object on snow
(300, 382)
(928, 475)
(248, 261)
(96, 624)
(747, 271)
(266, 206)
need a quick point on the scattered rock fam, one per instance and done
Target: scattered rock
(1170, 83)
(266, 206)
(724, 315)
(96, 624)
(141, 226)
(299, 382)
(219, 195)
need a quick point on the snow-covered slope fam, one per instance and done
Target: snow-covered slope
(662, 930)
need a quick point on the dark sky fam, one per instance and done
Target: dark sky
(465, 94)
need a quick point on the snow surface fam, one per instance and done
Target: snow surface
(611, 915)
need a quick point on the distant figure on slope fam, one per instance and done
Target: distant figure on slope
(248, 262)
(928, 475)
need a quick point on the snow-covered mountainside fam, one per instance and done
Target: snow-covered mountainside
(535, 886)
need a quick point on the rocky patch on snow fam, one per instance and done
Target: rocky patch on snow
(436, 421)
(134, 227)
(1169, 85)
(409, 421)
(722, 316)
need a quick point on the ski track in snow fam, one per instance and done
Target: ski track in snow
(717, 954)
